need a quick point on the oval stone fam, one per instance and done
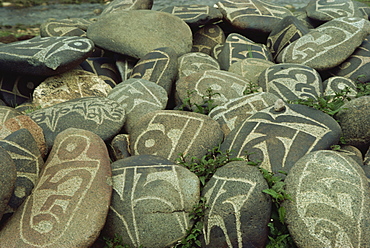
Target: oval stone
(151, 201)
(238, 211)
(168, 133)
(73, 192)
(137, 32)
(331, 204)
(206, 38)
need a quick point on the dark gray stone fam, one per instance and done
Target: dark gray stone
(337, 84)
(125, 64)
(128, 32)
(331, 205)
(207, 37)
(7, 113)
(356, 66)
(23, 149)
(168, 133)
(329, 10)
(120, 147)
(100, 115)
(44, 55)
(103, 67)
(195, 15)
(238, 211)
(276, 138)
(237, 47)
(158, 66)
(151, 201)
(252, 15)
(291, 81)
(285, 32)
(8, 175)
(328, 45)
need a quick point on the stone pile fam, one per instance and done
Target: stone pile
(92, 127)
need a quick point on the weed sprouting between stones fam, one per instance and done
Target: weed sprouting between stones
(203, 108)
(116, 242)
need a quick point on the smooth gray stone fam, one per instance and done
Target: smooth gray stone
(44, 55)
(127, 32)
(329, 10)
(279, 138)
(238, 211)
(328, 45)
(151, 201)
(330, 204)
(290, 81)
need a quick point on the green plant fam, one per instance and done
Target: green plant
(279, 236)
(205, 107)
(205, 167)
(251, 88)
(329, 104)
(116, 242)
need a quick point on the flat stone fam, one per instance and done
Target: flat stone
(291, 81)
(207, 37)
(226, 84)
(7, 113)
(151, 201)
(289, 29)
(354, 119)
(238, 211)
(276, 138)
(8, 175)
(73, 185)
(65, 27)
(22, 121)
(328, 45)
(334, 85)
(125, 5)
(237, 47)
(168, 133)
(158, 66)
(330, 206)
(16, 89)
(252, 15)
(329, 10)
(105, 68)
(44, 55)
(195, 62)
(237, 110)
(115, 31)
(138, 97)
(195, 15)
(356, 66)
(23, 149)
(68, 86)
(250, 68)
(100, 115)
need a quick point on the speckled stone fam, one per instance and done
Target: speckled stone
(8, 175)
(194, 62)
(65, 27)
(330, 204)
(207, 37)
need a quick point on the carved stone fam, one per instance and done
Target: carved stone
(103, 67)
(331, 205)
(195, 62)
(276, 138)
(291, 81)
(337, 84)
(326, 10)
(151, 201)
(238, 211)
(125, 5)
(168, 133)
(65, 27)
(70, 202)
(206, 38)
